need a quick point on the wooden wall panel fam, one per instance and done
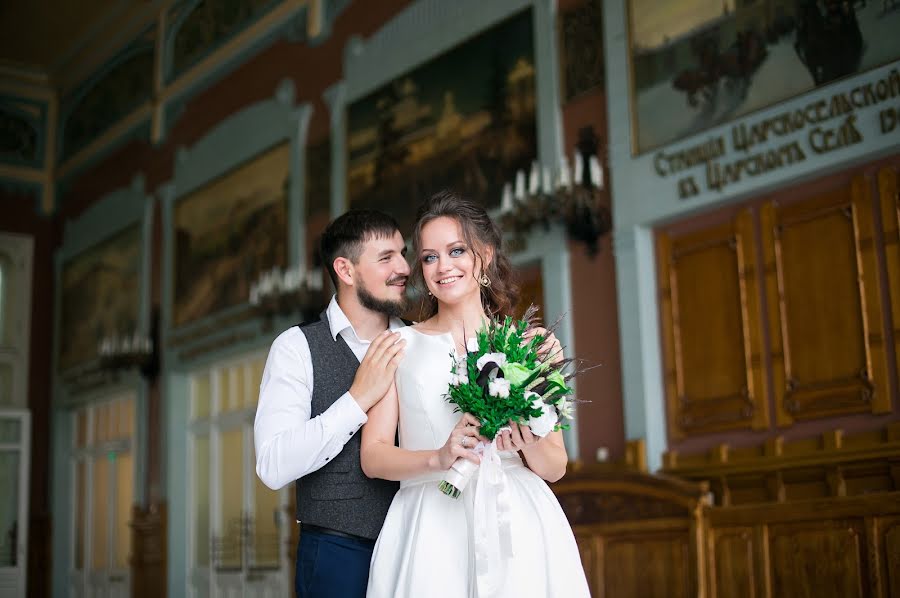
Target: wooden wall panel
(828, 353)
(590, 548)
(638, 534)
(889, 560)
(650, 566)
(711, 330)
(819, 559)
(889, 200)
(655, 535)
(733, 567)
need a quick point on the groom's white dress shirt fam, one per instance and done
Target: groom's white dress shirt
(290, 444)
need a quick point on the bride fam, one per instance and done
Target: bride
(432, 544)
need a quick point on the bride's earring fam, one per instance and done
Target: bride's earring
(484, 281)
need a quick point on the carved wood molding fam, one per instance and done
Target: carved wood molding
(148, 550)
(744, 405)
(809, 276)
(591, 509)
(889, 201)
(836, 546)
(833, 467)
(598, 494)
(832, 447)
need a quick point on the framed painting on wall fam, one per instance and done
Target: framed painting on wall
(318, 196)
(100, 296)
(227, 233)
(696, 64)
(464, 120)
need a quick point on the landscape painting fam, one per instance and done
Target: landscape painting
(227, 233)
(464, 120)
(699, 63)
(100, 296)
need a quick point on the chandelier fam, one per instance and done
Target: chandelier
(284, 291)
(560, 193)
(123, 351)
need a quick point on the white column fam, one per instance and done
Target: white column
(642, 388)
(335, 99)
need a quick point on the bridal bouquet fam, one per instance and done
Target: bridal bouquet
(503, 376)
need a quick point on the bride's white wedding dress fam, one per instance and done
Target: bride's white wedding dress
(427, 547)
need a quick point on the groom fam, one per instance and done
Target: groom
(320, 380)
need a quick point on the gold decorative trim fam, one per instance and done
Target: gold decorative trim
(889, 200)
(23, 173)
(757, 387)
(667, 324)
(774, 293)
(870, 296)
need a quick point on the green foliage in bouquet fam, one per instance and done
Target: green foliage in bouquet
(512, 376)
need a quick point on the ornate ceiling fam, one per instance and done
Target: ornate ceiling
(57, 39)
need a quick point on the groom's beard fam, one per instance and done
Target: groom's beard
(386, 306)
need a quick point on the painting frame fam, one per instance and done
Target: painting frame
(780, 31)
(214, 206)
(411, 153)
(126, 211)
(100, 293)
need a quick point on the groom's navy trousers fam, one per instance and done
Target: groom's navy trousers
(330, 566)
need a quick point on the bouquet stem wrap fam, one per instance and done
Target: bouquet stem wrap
(457, 477)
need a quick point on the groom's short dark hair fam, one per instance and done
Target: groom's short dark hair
(347, 234)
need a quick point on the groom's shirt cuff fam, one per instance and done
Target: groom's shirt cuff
(289, 443)
(343, 419)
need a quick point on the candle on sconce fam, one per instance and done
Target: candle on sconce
(520, 185)
(547, 181)
(565, 176)
(534, 183)
(506, 201)
(596, 172)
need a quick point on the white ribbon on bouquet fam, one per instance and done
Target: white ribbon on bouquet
(491, 522)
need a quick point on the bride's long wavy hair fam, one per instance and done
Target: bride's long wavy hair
(479, 233)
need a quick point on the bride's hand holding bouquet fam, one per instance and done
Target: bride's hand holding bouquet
(462, 439)
(511, 373)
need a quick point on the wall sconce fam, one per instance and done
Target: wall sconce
(133, 350)
(560, 194)
(281, 292)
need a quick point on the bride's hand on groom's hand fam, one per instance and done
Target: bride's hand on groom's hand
(462, 440)
(516, 438)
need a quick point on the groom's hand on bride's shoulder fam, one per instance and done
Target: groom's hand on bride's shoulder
(376, 370)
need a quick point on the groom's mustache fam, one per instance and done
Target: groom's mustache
(399, 280)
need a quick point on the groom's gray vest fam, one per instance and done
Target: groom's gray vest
(339, 496)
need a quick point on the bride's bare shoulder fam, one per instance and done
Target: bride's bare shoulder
(425, 327)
